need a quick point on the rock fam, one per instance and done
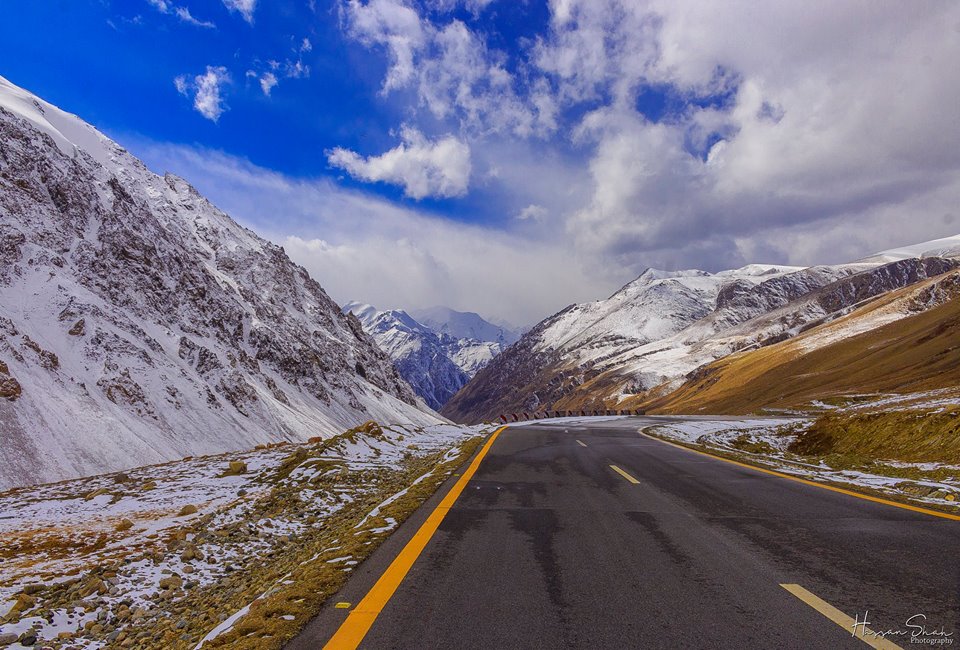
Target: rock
(24, 603)
(28, 638)
(10, 388)
(125, 524)
(171, 582)
(236, 467)
(96, 493)
(188, 569)
(189, 509)
(78, 329)
(8, 638)
(94, 586)
(33, 588)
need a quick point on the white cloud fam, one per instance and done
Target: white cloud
(473, 6)
(207, 98)
(267, 81)
(393, 25)
(817, 131)
(245, 8)
(783, 118)
(439, 168)
(306, 45)
(453, 71)
(183, 13)
(533, 212)
(296, 69)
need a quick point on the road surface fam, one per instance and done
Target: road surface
(590, 535)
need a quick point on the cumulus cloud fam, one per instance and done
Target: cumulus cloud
(455, 74)
(779, 121)
(245, 8)
(393, 25)
(821, 129)
(423, 167)
(206, 91)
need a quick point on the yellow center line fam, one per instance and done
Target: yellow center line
(824, 486)
(360, 620)
(581, 443)
(624, 474)
(857, 628)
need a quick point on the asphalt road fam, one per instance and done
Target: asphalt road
(548, 546)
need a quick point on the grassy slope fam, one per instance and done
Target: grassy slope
(919, 352)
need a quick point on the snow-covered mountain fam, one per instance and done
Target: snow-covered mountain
(648, 336)
(436, 362)
(465, 325)
(140, 324)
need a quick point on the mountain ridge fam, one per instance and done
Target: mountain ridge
(160, 327)
(435, 363)
(648, 336)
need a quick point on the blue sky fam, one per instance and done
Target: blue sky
(513, 157)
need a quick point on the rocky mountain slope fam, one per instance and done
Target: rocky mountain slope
(435, 362)
(903, 341)
(646, 338)
(139, 323)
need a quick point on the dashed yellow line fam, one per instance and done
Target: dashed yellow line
(358, 623)
(824, 486)
(624, 475)
(581, 443)
(855, 627)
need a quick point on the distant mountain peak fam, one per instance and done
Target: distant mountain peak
(435, 361)
(465, 325)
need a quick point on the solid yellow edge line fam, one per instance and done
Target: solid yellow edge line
(866, 635)
(624, 475)
(359, 621)
(866, 497)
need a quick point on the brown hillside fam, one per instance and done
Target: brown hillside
(918, 352)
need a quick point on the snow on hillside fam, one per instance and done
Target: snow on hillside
(139, 323)
(655, 306)
(465, 325)
(436, 364)
(653, 332)
(165, 556)
(946, 247)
